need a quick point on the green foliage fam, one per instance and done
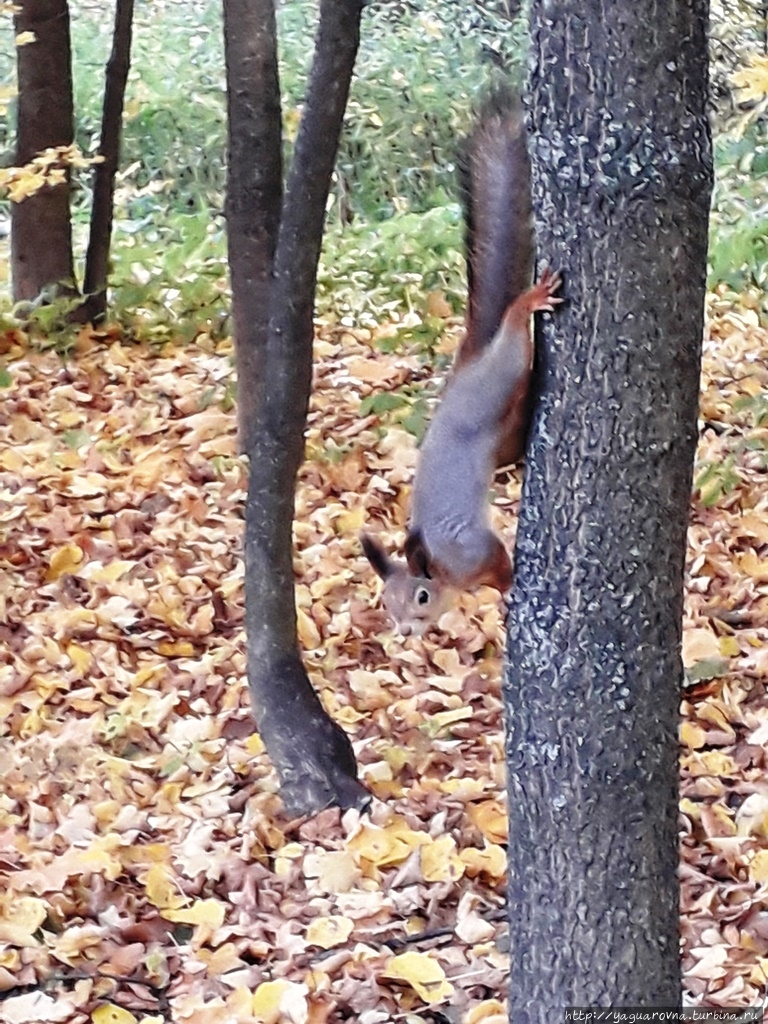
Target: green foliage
(394, 226)
(76, 438)
(170, 279)
(739, 223)
(755, 407)
(707, 668)
(48, 321)
(381, 402)
(421, 69)
(417, 418)
(368, 269)
(715, 480)
(409, 408)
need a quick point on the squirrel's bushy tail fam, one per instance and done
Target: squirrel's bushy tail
(496, 185)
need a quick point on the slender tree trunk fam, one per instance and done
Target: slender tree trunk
(254, 188)
(41, 232)
(622, 180)
(274, 251)
(97, 256)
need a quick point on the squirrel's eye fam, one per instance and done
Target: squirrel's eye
(422, 596)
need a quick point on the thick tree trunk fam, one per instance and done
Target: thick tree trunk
(41, 232)
(97, 256)
(273, 260)
(622, 179)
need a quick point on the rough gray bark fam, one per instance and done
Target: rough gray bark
(41, 234)
(99, 238)
(622, 180)
(274, 246)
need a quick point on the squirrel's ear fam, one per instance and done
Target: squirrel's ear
(416, 555)
(382, 564)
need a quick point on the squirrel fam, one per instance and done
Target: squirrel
(482, 420)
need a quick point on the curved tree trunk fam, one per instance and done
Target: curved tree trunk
(622, 180)
(100, 236)
(41, 232)
(274, 251)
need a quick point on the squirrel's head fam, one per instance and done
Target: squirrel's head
(410, 597)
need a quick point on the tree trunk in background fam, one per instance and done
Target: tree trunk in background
(97, 257)
(273, 254)
(622, 180)
(41, 233)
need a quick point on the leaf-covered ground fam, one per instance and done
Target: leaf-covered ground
(146, 872)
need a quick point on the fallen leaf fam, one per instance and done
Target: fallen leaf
(423, 973)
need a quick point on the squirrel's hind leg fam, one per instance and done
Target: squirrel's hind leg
(497, 571)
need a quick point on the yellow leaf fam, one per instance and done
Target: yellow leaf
(25, 183)
(254, 745)
(309, 635)
(759, 975)
(690, 808)
(384, 846)
(25, 38)
(491, 861)
(729, 647)
(335, 871)
(442, 720)
(490, 817)
(221, 960)
(210, 913)
(490, 1011)
(758, 867)
(423, 973)
(755, 567)
(108, 1013)
(99, 859)
(350, 522)
(10, 958)
(327, 932)
(11, 460)
(348, 716)
(80, 658)
(754, 525)
(176, 649)
(692, 736)
(65, 560)
(108, 573)
(20, 918)
(162, 891)
(699, 644)
(378, 846)
(439, 861)
(752, 81)
(710, 762)
(274, 1001)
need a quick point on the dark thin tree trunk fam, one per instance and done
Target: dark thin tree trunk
(273, 281)
(97, 256)
(622, 180)
(41, 233)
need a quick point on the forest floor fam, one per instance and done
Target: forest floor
(146, 873)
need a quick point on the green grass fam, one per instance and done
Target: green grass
(394, 231)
